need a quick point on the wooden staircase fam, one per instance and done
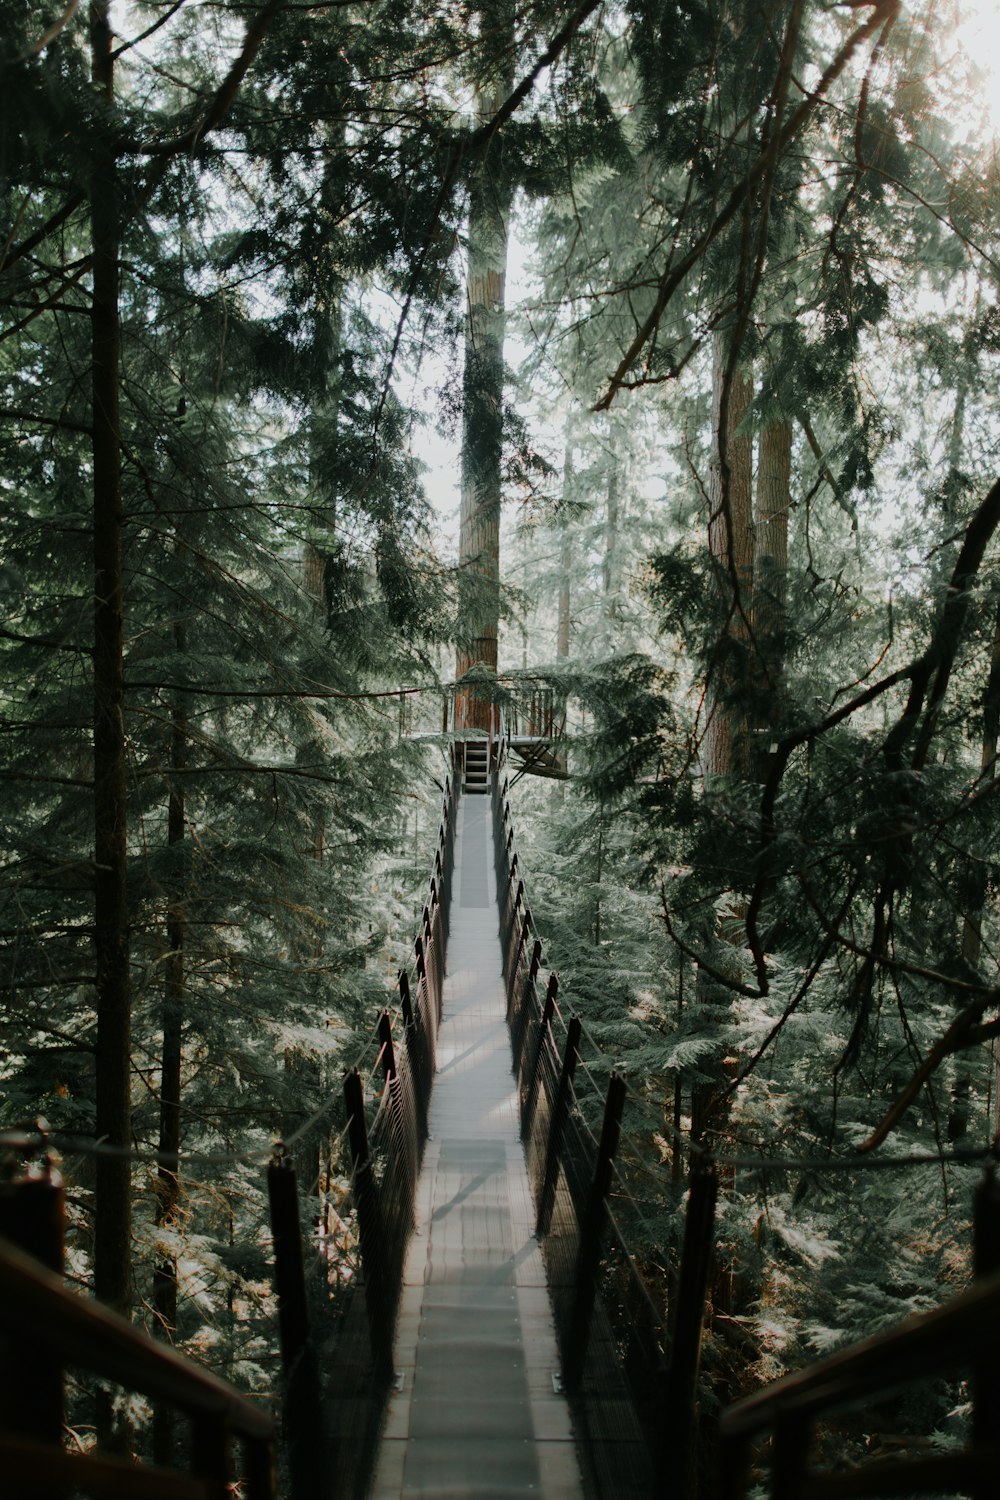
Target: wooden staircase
(476, 767)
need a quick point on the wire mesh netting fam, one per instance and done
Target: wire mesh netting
(384, 1132)
(611, 1333)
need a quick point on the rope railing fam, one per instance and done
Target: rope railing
(623, 1359)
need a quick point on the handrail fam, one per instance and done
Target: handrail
(36, 1306)
(961, 1333)
(925, 1344)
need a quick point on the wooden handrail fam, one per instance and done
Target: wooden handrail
(924, 1345)
(35, 1304)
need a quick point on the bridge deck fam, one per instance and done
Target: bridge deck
(477, 1417)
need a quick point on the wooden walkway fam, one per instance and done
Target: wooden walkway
(477, 1417)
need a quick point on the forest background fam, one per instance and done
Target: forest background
(735, 446)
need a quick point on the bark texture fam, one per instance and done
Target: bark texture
(482, 409)
(112, 1229)
(731, 543)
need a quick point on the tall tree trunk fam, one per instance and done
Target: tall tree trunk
(562, 624)
(167, 1176)
(725, 748)
(975, 894)
(482, 398)
(770, 567)
(609, 568)
(112, 1229)
(731, 543)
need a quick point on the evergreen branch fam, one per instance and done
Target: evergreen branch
(150, 30)
(52, 32)
(222, 101)
(40, 235)
(825, 472)
(735, 985)
(48, 304)
(313, 692)
(929, 672)
(955, 1039)
(883, 12)
(890, 961)
(796, 1000)
(38, 778)
(43, 640)
(16, 414)
(471, 145)
(225, 94)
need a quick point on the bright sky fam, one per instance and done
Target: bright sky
(978, 31)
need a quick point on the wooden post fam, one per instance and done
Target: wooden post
(405, 1003)
(366, 1201)
(31, 1380)
(557, 1125)
(210, 1455)
(258, 1470)
(388, 1051)
(302, 1409)
(986, 1376)
(591, 1230)
(419, 1059)
(679, 1428)
(544, 1022)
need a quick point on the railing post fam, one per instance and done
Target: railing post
(557, 1125)
(519, 1007)
(210, 1456)
(302, 1407)
(377, 1296)
(419, 1058)
(591, 1229)
(258, 1470)
(544, 1022)
(31, 1380)
(986, 1377)
(679, 1430)
(387, 1049)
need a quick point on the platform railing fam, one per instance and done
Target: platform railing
(46, 1330)
(630, 1364)
(960, 1336)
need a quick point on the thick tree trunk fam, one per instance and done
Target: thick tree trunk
(726, 744)
(112, 1229)
(731, 543)
(482, 408)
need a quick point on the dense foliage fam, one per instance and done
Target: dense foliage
(745, 440)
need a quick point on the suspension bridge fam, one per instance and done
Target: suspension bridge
(499, 1340)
